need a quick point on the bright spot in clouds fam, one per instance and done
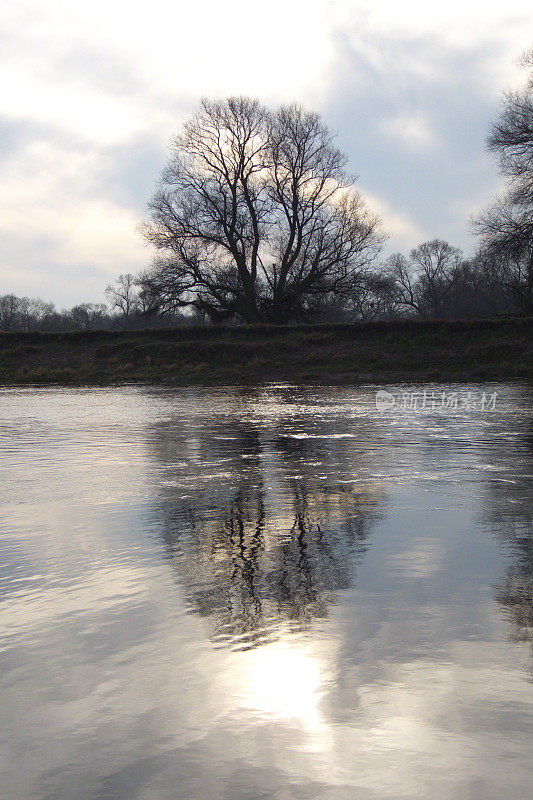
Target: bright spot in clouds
(413, 131)
(91, 93)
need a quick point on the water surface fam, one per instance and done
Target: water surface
(282, 592)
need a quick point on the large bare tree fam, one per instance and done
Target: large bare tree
(255, 216)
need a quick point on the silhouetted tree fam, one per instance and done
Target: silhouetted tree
(372, 297)
(424, 281)
(23, 313)
(88, 315)
(506, 228)
(124, 294)
(9, 311)
(256, 216)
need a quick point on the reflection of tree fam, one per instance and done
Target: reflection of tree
(259, 526)
(510, 515)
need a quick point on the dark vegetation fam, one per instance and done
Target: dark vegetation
(399, 350)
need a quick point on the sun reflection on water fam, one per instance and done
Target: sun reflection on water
(284, 682)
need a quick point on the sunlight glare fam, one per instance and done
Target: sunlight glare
(285, 682)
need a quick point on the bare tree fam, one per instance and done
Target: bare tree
(209, 214)
(511, 136)
(506, 228)
(373, 297)
(88, 315)
(324, 237)
(256, 216)
(9, 312)
(435, 263)
(124, 294)
(398, 268)
(424, 281)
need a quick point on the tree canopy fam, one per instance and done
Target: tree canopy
(256, 217)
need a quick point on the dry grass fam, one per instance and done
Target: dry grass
(387, 350)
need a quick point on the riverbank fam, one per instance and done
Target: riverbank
(381, 351)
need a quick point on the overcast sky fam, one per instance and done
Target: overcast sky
(90, 94)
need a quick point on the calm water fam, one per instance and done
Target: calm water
(235, 594)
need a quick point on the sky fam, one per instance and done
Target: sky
(91, 93)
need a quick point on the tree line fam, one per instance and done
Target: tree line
(256, 219)
(33, 314)
(434, 281)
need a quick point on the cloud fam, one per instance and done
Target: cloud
(414, 131)
(55, 216)
(425, 557)
(469, 208)
(202, 47)
(413, 106)
(403, 231)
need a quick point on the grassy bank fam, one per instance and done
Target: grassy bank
(404, 350)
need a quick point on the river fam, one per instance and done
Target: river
(280, 592)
